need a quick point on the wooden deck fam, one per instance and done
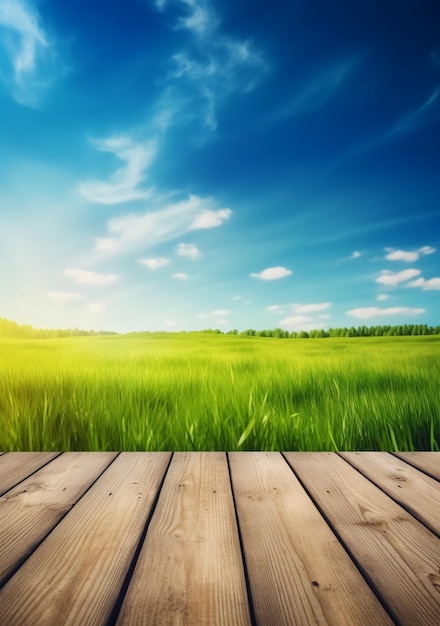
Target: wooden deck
(214, 538)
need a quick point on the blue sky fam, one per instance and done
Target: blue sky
(186, 164)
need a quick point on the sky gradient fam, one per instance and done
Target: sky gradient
(190, 164)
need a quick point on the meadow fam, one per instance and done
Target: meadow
(193, 391)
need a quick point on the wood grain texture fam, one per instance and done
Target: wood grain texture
(16, 466)
(30, 511)
(75, 575)
(299, 574)
(190, 570)
(428, 462)
(398, 555)
(412, 489)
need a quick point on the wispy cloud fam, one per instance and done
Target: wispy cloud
(320, 89)
(29, 51)
(382, 296)
(432, 284)
(426, 114)
(413, 120)
(64, 296)
(154, 264)
(373, 311)
(356, 254)
(274, 308)
(123, 185)
(129, 232)
(180, 276)
(200, 18)
(311, 308)
(214, 64)
(272, 273)
(395, 278)
(84, 277)
(402, 255)
(188, 250)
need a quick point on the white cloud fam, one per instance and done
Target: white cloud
(372, 311)
(220, 312)
(427, 250)
(301, 321)
(124, 183)
(64, 296)
(273, 308)
(134, 230)
(356, 254)
(272, 273)
(237, 298)
(311, 308)
(433, 284)
(298, 322)
(210, 219)
(90, 278)
(394, 278)
(382, 296)
(180, 276)
(107, 244)
(402, 255)
(28, 49)
(154, 264)
(189, 250)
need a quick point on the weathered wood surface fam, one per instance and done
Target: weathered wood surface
(191, 557)
(428, 462)
(15, 466)
(219, 538)
(395, 552)
(415, 491)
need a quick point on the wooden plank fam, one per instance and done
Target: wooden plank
(190, 569)
(298, 572)
(418, 493)
(75, 575)
(16, 466)
(399, 556)
(428, 462)
(30, 511)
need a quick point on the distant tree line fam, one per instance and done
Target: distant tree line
(17, 331)
(360, 331)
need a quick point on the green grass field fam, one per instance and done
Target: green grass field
(219, 392)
